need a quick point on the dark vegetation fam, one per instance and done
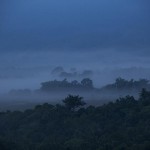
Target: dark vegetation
(131, 85)
(120, 125)
(85, 84)
(120, 85)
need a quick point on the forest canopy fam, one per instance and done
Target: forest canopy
(119, 125)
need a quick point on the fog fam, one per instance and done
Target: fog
(29, 69)
(24, 93)
(101, 40)
(21, 101)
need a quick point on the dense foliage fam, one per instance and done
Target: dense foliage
(120, 125)
(85, 84)
(128, 85)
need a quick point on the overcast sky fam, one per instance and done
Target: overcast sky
(74, 24)
(75, 33)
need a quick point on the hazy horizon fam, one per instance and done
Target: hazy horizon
(110, 38)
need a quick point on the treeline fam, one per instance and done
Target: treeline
(129, 85)
(119, 84)
(120, 125)
(86, 83)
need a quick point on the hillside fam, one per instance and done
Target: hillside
(119, 125)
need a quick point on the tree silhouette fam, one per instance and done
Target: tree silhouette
(71, 102)
(145, 97)
(87, 83)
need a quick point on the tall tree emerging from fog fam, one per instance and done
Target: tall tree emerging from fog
(71, 102)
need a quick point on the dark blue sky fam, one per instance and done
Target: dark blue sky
(87, 33)
(80, 24)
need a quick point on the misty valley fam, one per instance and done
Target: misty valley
(75, 124)
(73, 115)
(53, 92)
(74, 74)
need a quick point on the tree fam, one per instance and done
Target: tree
(72, 102)
(74, 83)
(120, 83)
(87, 83)
(145, 97)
